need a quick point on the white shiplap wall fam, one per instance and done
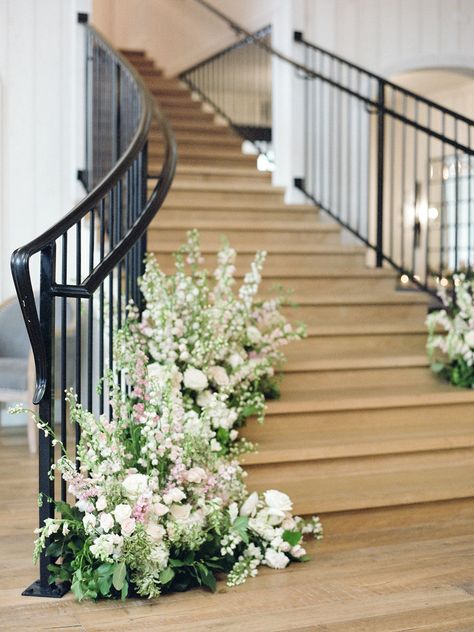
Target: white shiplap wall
(39, 117)
(391, 36)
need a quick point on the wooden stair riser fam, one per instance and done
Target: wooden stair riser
(235, 179)
(208, 127)
(323, 436)
(195, 138)
(274, 264)
(191, 217)
(356, 345)
(341, 314)
(240, 238)
(189, 198)
(188, 116)
(329, 284)
(212, 160)
(402, 376)
(375, 481)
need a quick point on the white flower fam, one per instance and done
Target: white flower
(135, 484)
(89, 521)
(159, 555)
(155, 531)
(275, 559)
(195, 379)
(101, 503)
(196, 475)
(204, 399)
(215, 445)
(180, 512)
(174, 495)
(233, 511)
(156, 370)
(65, 528)
(218, 375)
(122, 512)
(298, 551)
(235, 360)
(253, 334)
(106, 521)
(160, 509)
(249, 506)
(278, 502)
(128, 526)
(469, 338)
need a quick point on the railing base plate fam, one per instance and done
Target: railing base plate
(54, 591)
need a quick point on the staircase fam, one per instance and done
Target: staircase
(362, 423)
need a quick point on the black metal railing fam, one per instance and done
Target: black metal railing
(89, 262)
(392, 167)
(237, 83)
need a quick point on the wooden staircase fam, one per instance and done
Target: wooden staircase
(362, 423)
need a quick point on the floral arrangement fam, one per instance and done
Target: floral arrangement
(451, 333)
(159, 502)
(225, 343)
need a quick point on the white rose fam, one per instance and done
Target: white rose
(233, 434)
(122, 512)
(218, 375)
(156, 370)
(249, 506)
(89, 521)
(204, 399)
(101, 503)
(174, 495)
(180, 512)
(275, 559)
(195, 379)
(254, 335)
(106, 521)
(160, 554)
(196, 475)
(235, 360)
(298, 551)
(155, 531)
(160, 509)
(277, 501)
(469, 338)
(128, 526)
(135, 484)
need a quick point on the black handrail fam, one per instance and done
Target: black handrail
(356, 125)
(76, 349)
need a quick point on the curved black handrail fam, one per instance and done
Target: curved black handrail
(20, 259)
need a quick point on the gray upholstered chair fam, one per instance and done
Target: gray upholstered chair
(16, 362)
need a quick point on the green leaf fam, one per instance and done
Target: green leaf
(304, 558)
(104, 584)
(437, 367)
(207, 576)
(124, 592)
(240, 526)
(118, 578)
(292, 537)
(105, 569)
(167, 575)
(77, 590)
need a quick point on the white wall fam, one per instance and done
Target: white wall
(39, 116)
(391, 36)
(177, 33)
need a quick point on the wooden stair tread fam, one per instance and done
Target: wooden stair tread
(348, 398)
(193, 187)
(233, 225)
(166, 247)
(298, 362)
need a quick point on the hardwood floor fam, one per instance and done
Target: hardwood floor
(386, 570)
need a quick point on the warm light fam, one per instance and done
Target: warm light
(444, 282)
(433, 212)
(416, 277)
(457, 282)
(404, 279)
(445, 173)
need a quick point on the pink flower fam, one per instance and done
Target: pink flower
(128, 526)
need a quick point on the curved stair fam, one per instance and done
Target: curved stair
(362, 423)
